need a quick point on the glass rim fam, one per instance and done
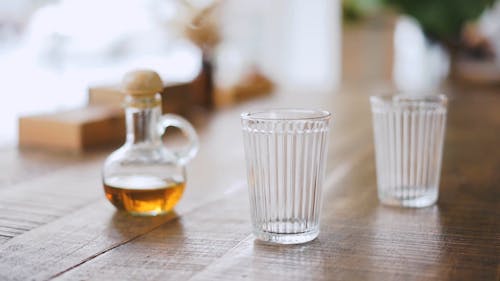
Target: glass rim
(286, 114)
(403, 99)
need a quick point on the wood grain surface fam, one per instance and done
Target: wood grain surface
(56, 225)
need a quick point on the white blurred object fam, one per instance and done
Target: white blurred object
(86, 29)
(72, 44)
(489, 26)
(295, 43)
(419, 64)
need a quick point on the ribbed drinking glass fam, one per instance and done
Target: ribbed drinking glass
(285, 152)
(409, 133)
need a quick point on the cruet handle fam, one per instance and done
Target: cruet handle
(189, 151)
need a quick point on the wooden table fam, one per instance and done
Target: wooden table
(56, 224)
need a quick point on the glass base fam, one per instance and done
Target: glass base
(287, 238)
(424, 200)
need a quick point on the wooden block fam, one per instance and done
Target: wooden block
(251, 86)
(75, 130)
(176, 97)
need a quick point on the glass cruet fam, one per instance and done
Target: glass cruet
(144, 176)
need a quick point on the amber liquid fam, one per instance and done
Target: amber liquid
(143, 195)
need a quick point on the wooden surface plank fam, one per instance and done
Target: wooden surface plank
(458, 239)
(181, 249)
(65, 243)
(18, 166)
(176, 250)
(37, 201)
(28, 246)
(59, 225)
(360, 239)
(351, 144)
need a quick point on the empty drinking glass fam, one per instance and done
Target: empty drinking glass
(409, 133)
(285, 152)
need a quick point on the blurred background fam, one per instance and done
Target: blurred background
(53, 53)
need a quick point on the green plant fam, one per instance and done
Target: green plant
(442, 19)
(353, 10)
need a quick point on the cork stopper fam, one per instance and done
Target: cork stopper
(142, 83)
